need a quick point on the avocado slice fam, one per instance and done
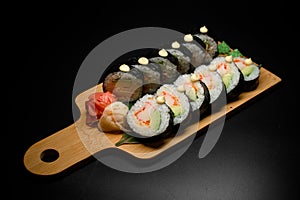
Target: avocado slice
(177, 110)
(191, 93)
(227, 79)
(155, 120)
(247, 70)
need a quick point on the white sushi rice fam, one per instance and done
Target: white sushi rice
(231, 68)
(239, 61)
(146, 131)
(185, 81)
(212, 80)
(183, 101)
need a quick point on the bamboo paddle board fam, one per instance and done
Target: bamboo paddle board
(78, 141)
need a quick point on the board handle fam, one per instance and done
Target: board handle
(56, 152)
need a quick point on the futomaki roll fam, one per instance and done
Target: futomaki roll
(210, 45)
(183, 55)
(148, 117)
(125, 82)
(196, 91)
(230, 73)
(199, 54)
(167, 63)
(151, 73)
(250, 71)
(215, 85)
(176, 101)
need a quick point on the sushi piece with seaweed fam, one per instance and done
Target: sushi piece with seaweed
(151, 74)
(250, 71)
(199, 56)
(208, 42)
(124, 81)
(196, 91)
(232, 76)
(167, 62)
(148, 117)
(215, 86)
(183, 55)
(177, 102)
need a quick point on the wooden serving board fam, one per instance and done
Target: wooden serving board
(78, 141)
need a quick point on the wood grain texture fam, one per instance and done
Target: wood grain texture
(79, 141)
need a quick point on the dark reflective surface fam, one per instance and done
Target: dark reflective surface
(255, 157)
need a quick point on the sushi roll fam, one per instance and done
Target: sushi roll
(215, 85)
(183, 55)
(148, 117)
(231, 75)
(167, 63)
(199, 54)
(196, 91)
(250, 71)
(209, 44)
(124, 81)
(176, 101)
(151, 73)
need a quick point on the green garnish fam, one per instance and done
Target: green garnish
(130, 104)
(127, 139)
(259, 66)
(223, 48)
(161, 62)
(235, 53)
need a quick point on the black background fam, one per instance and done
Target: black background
(255, 157)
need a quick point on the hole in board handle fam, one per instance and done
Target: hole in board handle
(49, 155)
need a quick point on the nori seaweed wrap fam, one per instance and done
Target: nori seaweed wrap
(167, 62)
(250, 71)
(151, 73)
(124, 81)
(231, 75)
(199, 54)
